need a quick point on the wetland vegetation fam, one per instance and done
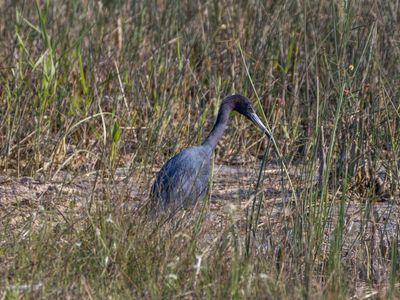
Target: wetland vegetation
(96, 95)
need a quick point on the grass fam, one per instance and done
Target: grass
(90, 87)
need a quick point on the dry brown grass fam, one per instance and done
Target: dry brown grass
(96, 95)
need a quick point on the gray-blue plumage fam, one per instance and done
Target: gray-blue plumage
(184, 178)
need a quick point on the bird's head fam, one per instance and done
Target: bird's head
(243, 106)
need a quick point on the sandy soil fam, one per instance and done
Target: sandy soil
(69, 198)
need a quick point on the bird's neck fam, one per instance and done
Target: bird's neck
(219, 127)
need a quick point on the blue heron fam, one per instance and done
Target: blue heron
(184, 178)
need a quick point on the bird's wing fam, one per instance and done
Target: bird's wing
(183, 178)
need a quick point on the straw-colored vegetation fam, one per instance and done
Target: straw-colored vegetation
(96, 95)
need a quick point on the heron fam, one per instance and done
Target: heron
(184, 178)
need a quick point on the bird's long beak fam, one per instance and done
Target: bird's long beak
(256, 120)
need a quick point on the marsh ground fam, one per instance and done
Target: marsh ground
(96, 95)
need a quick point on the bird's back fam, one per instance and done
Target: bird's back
(183, 179)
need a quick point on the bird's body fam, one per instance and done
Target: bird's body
(184, 178)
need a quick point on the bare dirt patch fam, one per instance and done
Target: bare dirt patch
(67, 197)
